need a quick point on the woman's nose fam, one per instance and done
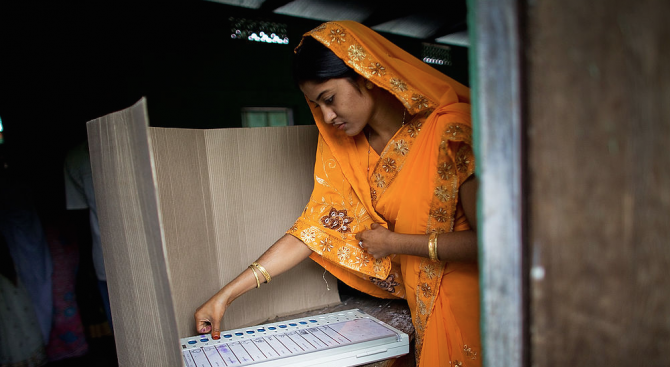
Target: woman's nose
(328, 115)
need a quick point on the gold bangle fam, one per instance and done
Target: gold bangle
(432, 247)
(265, 273)
(258, 282)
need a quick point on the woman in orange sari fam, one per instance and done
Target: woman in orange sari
(392, 212)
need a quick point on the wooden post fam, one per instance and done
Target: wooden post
(496, 90)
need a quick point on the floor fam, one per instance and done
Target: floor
(101, 353)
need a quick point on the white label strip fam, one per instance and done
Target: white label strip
(240, 352)
(253, 350)
(334, 334)
(267, 350)
(289, 343)
(215, 359)
(278, 346)
(200, 358)
(228, 355)
(304, 344)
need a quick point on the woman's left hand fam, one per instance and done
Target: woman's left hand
(376, 241)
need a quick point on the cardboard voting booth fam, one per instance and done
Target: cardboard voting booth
(184, 211)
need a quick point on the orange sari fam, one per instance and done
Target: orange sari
(412, 187)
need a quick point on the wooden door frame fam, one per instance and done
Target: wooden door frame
(497, 100)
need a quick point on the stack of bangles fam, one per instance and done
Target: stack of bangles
(256, 266)
(432, 247)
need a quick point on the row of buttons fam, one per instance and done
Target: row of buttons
(260, 330)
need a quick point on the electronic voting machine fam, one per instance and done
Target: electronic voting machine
(347, 338)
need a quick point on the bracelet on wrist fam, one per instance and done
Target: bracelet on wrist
(432, 246)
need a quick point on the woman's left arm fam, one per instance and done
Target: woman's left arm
(452, 246)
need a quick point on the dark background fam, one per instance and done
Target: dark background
(64, 64)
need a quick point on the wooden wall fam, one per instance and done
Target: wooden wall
(598, 184)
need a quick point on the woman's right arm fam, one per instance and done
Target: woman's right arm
(286, 253)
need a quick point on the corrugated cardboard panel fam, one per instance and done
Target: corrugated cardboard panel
(182, 212)
(183, 187)
(142, 308)
(261, 179)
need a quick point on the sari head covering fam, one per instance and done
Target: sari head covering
(412, 186)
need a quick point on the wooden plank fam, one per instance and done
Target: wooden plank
(599, 158)
(497, 111)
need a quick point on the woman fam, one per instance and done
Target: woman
(393, 208)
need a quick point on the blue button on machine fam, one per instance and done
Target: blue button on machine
(227, 336)
(250, 331)
(272, 328)
(192, 341)
(204, 340)
(239, 334)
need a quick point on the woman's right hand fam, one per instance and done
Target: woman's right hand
(208, 316)
(286, 253)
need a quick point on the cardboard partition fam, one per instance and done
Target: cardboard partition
(182, 212)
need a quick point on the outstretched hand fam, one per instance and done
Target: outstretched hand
(376, 241)
(208, 316)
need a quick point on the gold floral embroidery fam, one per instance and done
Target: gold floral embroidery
(326, 244)
(320, 28)
(442, 193)
(388, 164)
(444, 170)
(420, 102)
(308, 235)
(430, 271)
(427, 291)
(377, 69)
(440, 215)
(357, 53)
(414, 129)
(361, 261)
(456, 363)
(462, 162)
(398, 85)
(378, 266)
(454, 130)
(387, 285)
(469, 352)
(337, 35)
(401, 147)
(379, 180)
(343, 253)
(337, 220)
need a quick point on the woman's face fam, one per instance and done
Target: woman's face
(344, 104)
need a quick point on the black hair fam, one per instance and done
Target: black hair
(315, 62)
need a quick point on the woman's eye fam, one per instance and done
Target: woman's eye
(329, 100)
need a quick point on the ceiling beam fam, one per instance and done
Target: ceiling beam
(388, 10)
(272, 5)
(448, 28)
